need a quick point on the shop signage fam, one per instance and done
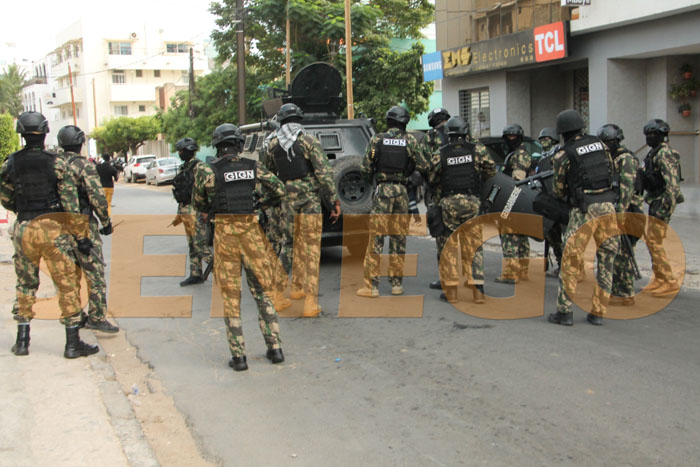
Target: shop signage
(542, 44)
(575, 2)
(432, 66)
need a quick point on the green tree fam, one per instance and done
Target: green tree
(11, 81)
(318, 33)
(9, 141)
(125, 134)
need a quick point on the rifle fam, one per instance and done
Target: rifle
(177, 221)
(532, 178)
(627, 245)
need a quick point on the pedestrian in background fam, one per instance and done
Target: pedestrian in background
(108, 175)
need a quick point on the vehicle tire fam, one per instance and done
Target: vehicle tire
(354, 192)
(358, 246)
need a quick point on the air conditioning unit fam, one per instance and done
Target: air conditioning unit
(134, 35)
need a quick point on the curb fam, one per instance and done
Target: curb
(126, 426)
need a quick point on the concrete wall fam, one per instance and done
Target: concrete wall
(517, 101)
(609, 14)
(548, 88)
(496, 84)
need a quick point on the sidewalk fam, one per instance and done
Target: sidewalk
(56, 411)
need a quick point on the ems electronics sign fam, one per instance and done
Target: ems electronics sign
(432, 66)
(542, 44)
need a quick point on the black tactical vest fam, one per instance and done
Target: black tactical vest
(83, 199)
(183, 184)
(34, 179)
(392, 155)
(589, 171)
(653, 181)
(293, 166)
(459, 174)
(234, 185)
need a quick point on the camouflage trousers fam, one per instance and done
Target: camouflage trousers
(94, 271)
(516, 250)
(389, 198)
(242, 243)
(554, 241)
(45, 238)
(623, 271)
(456, 210)
(655, 235)
(278, 231)
(306, 255)
(572, 260)
(197, 239)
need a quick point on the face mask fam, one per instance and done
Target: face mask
(612, 146)
(184, 156)
(654, 139)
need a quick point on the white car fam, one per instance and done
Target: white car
(136, 168)
(162, 170)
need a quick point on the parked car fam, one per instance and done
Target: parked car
(162, 170)
(136, 168)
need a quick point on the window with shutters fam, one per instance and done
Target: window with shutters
(474, 107)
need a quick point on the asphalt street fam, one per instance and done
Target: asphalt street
(444, 389)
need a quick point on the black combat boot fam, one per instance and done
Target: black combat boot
(565, 319)
(191, 281)
(238, 363)
(101, 325)
(21, 346)
(595, 320)
(436, 285)
(75, 347)
(275, 355)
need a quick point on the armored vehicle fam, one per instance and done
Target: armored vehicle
(316, 89)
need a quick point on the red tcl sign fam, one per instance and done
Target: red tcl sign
(550, 42)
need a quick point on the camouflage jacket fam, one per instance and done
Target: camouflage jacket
(67, 191)
(667, 164)
(518, 163)
(268, 188)
(87, 182)
(430, 144)
(189, 165)
(561, 165)
(415, 159)
(483, 163)
(320, 179)
(626, 165)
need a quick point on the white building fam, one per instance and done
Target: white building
(38, 96)
(612, 61)
(119, 69)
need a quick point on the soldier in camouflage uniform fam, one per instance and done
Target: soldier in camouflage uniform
(662, 175)
(548, 137)
(459, 168)
(583, 176)
(297, 159)
(196, 227)
(516, 248)
(429, 145)
(93, 202)
(230, 188)
(279, 220)
(390, 158)
(629, 200)
(35, 182)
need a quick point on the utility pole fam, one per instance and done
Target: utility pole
(72, 97)
(240, 62)
(191, 85)
(287, 53)
(348, 60)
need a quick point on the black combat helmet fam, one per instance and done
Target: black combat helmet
(289, 113)
(227, 133)
(398, 114)
(456, 127)
(70, 135)
(32, 123)
(513, 130)
(569, 121)
(610, 132)
(548, 132)
(437, 116)
(186, 144)
(656, 126)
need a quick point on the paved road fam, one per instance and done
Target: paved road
(445, 389)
